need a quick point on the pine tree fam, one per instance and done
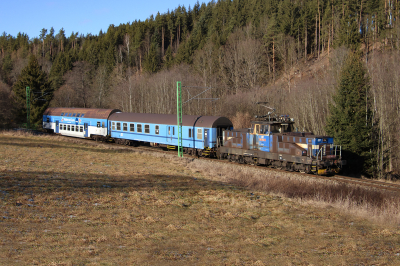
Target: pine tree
(41, 93)
(350, 121)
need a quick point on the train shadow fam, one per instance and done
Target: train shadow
(41, 143)
(42, 182)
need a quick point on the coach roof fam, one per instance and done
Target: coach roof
(89, 112)
(163, 119)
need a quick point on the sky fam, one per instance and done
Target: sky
(84, 16)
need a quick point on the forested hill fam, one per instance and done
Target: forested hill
(300, 27)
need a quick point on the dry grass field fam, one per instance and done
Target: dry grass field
(67, 202)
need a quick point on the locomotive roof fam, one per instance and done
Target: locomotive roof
(89, 112)
(187, 120)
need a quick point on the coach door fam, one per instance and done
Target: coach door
(57, 127)
(86, 129)
(206, 144)
(170, 133)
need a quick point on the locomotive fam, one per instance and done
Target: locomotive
(271, 141)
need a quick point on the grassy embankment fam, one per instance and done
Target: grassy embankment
(70, 202)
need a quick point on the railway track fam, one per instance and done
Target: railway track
(373, 184)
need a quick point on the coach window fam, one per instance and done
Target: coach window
(72, 128)
(65, 127)
(125, 126)
(257, 129)
(69, 128)
(70, 114)
(118, 126)
(147, 129)
(169, 130)
(48, 120)
(78, 115)
(98, 124)
(62, 114)
(113, 125)
(199, 133)
(139, 128)
(190, 132)
(81, 128)
(82, 115)
(132, 127)
(173, 130)
(102, 124)
(157, 130)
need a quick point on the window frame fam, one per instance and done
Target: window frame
(147, 129)
(124, 126)
(131, 127)
(118, 126)
(139, 128)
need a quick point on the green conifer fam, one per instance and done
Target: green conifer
(350, 121)
(41, 93)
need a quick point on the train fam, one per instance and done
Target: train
(271, 141)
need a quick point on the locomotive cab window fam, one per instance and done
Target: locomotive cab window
(125, 126)
(157, 129)
(147, 129)
(139, 128)
(275, 128)
(118, 126)
(132, 127)
(113, 126)
(199, 133)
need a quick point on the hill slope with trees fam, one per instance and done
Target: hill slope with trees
(288, 53)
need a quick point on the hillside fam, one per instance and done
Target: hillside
(70, 202)
(287, 53)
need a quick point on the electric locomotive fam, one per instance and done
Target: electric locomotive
(274, 142)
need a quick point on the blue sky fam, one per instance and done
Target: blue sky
(84, 16)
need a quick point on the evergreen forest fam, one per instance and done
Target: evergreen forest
(315, 60)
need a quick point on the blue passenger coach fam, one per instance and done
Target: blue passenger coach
(78, 122)
(199, 133)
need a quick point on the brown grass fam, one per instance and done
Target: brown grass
(70, 202)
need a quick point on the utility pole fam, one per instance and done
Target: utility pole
(180, 112)
(179, 116)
